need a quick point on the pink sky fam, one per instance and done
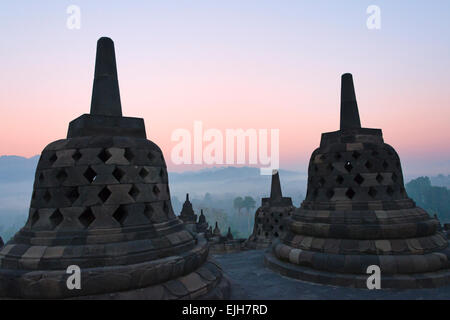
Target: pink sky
(251, 70)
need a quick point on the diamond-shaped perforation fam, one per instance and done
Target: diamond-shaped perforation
(390, 191)
(368, 165)
(150, 156)
(372, 192)
(87, 217)
(56, 218)
(394, 177)
(148, 211)
(90, 175)
(104, 155)
(77, 155)
(330, 167)
(337, 156)
(348, 166)
(330, 193)
(41, 177)
(156, 190)
(356, 154)
(72, 194)
(161, 173)
(120, 214)
(143, 173)
(128, 154)
(47, 196)
(339, 179)
(118, 174)
(61, 176)
(350, 193)
(104, 194)
(385, 165)
(379, 178)
(316, 168)
(375, 153)
(359, 179)
(35, 217)
(53, 158)
(134, 192)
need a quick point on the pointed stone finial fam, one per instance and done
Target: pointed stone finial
(229, 235)
(187, 197)
(275, 189)
(349, 106)
(105, 92)
(217, 230)
(202, 218)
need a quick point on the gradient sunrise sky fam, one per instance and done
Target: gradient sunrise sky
(233, 64)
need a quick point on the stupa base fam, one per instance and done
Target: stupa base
(206, 283)
(397, 281)
(190, 275)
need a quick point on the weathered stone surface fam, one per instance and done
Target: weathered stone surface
(101, 201)
(269, 218)
(357, 213)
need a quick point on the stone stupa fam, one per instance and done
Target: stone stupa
(187, 213)
(357, 214)
(101, 202)
(269, 217)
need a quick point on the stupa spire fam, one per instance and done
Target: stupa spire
(105, 92)
(349, 106)
(275, 190)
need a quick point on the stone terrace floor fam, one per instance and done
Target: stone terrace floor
(252, 280)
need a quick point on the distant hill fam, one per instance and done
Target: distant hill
(441, 181)
(434, 199)
(235, 181)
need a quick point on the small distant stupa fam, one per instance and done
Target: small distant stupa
(229, 235)
(216, 231)
(202, 224)
(101, 202)
(269, 217)
(187, 214)
(357, 214)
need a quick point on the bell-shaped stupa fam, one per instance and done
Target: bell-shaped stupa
(269, 217)
(357, 214)
(187, 213)
(101, 202)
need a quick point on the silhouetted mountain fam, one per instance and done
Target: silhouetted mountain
(441, 181)
(436, 200)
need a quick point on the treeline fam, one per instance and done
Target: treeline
(434, 199)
